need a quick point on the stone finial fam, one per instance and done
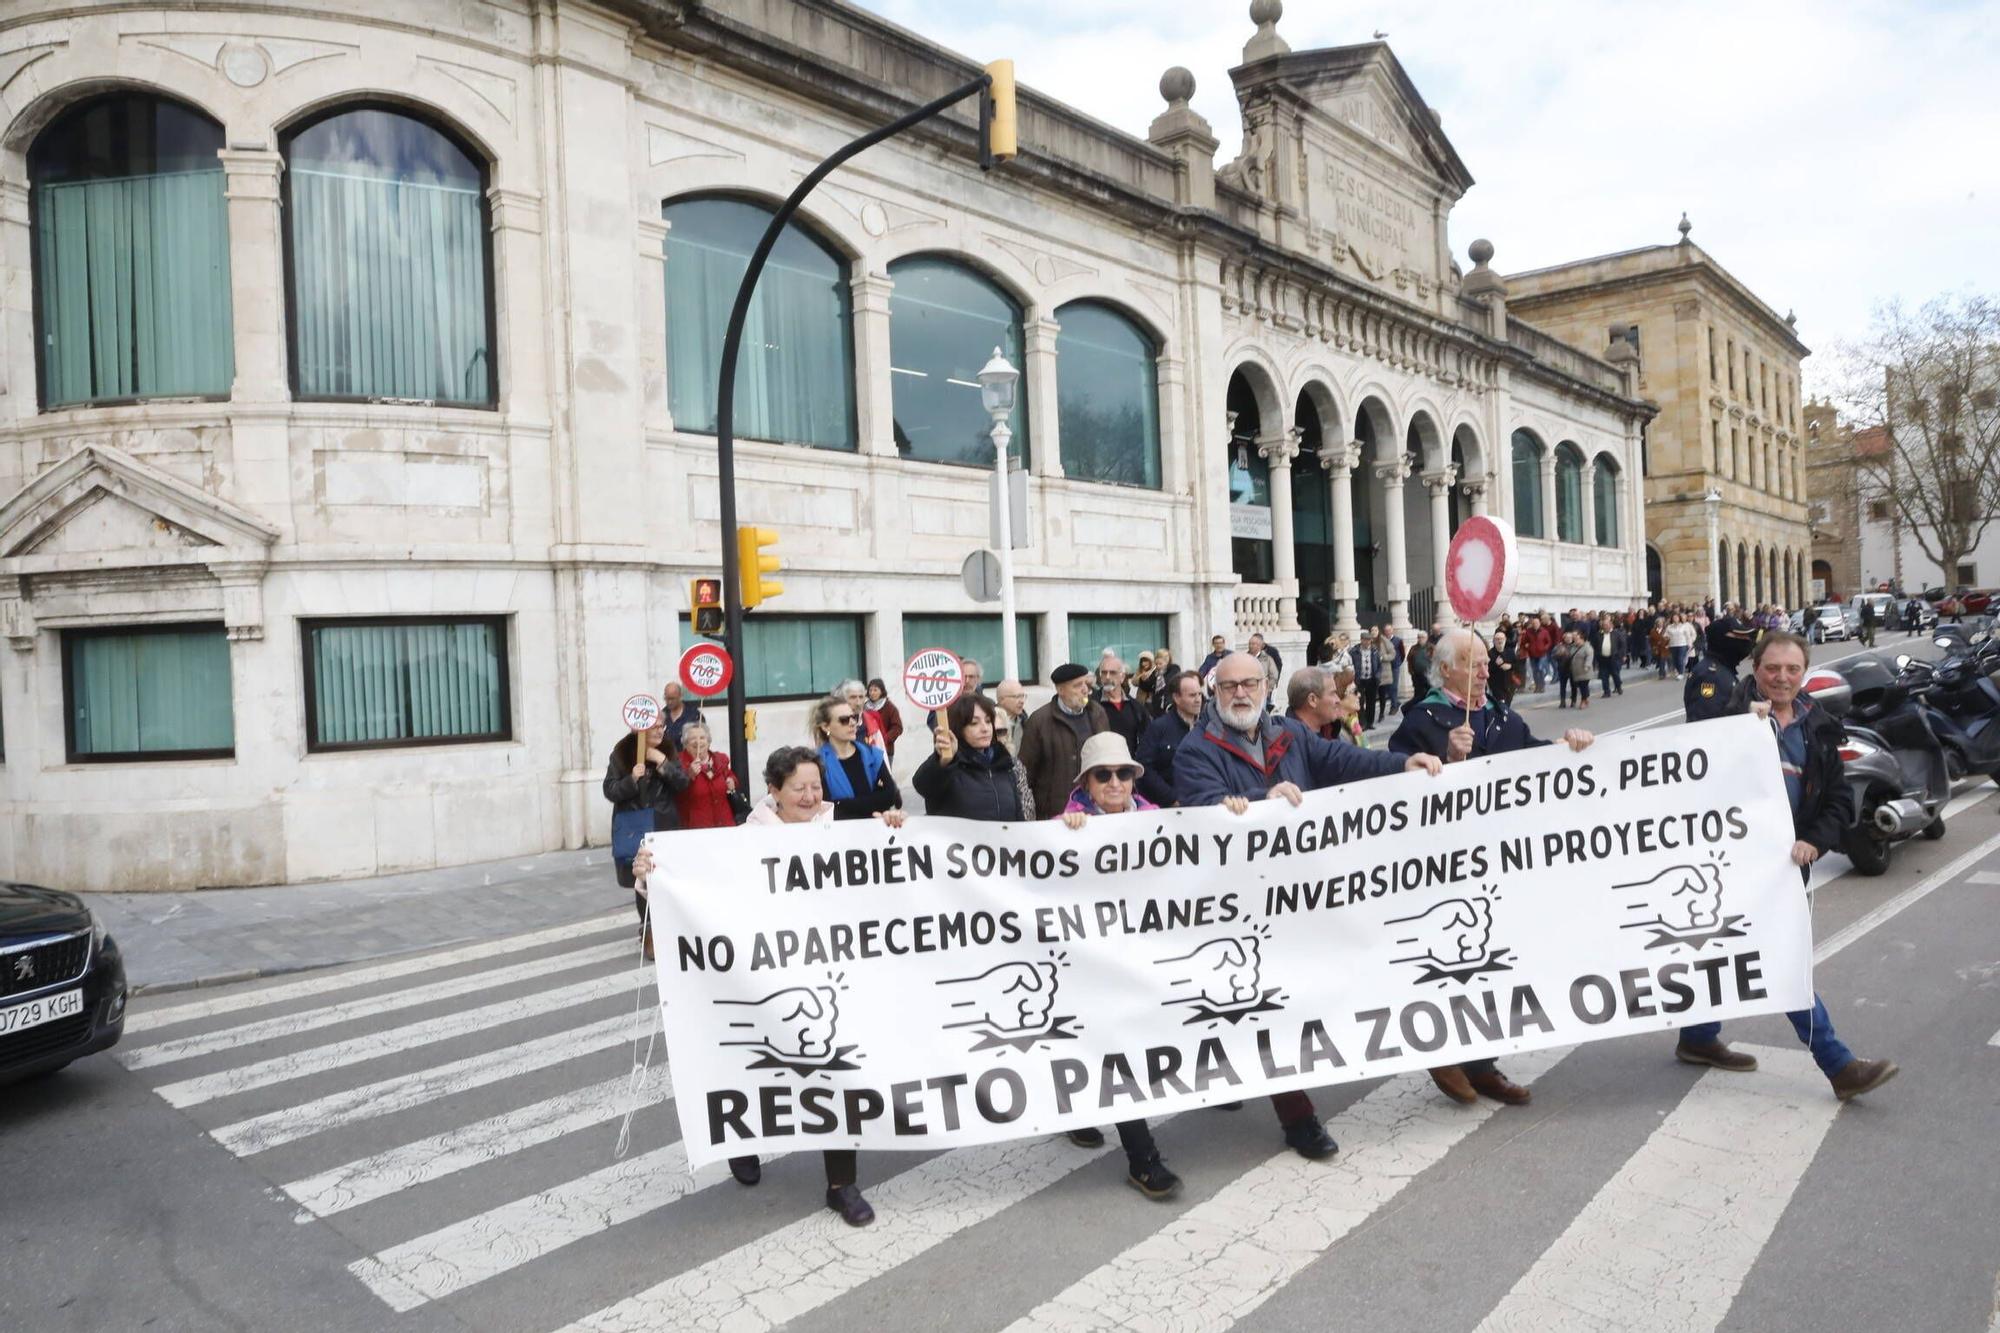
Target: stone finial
(1191, 140)
(1265, 14)
(1791, 319)
(1481, 251)
(1482, 281)
(1684, 228)
(1177, 86)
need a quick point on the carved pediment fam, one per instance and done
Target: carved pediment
(101, 500)
(1366, 89)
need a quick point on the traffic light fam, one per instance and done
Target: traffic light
(999, 122)
(705, 596)
(752, 565)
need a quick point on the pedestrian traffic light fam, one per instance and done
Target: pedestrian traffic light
(705, 596)
(999, 122)
(752, 565)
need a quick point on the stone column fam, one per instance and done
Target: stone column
(875, 406)
(256, 273)
(652, 321)
(1393, 474)
(18, 391)
(1038, 342)
(1439, 485)
(1279, 450)
(1589, 502)
(1474, 491)
(1551, 527)
(1340, 460)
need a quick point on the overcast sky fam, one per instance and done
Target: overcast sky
(1830, 154)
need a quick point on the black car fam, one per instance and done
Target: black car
(62, 982)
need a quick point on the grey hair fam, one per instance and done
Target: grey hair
(696, 725)
(1305, 682)
(1453, 646)
(846, 685)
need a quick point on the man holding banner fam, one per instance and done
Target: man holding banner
(1457, 721)
(1243, 755)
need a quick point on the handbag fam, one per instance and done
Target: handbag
(739, 804)
(628, 829)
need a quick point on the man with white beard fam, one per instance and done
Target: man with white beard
(1240, 755)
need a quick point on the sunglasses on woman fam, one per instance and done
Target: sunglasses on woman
(844, 720)
(1107, 774)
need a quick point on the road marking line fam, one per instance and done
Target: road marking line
(144, 1017)
(374, 1045)
(306, 1020)
(1983, 877)
(1676, 1231)
(1222, 1258)
(247, 1137)
(786, 1273)
(465, 1146)
(432, 1267)
(1905, 900)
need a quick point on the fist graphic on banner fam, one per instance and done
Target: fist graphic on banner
(797, 1022)
(1681, 897)
(1453, 933)
(1012, 997)
(1223, 972)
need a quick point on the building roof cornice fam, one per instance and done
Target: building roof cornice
(1652, 266)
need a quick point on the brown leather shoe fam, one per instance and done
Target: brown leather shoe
(1862, 1076)
(1494, 1084)
(649, 942)
(1452, 1083)
(1715, 1054)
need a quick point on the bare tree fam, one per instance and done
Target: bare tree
(1931, 378)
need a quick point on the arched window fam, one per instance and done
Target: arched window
(386, 261)
(1527, 485)
(1721, 574)
(1569, 493)
(795, 365)
(1604, 496)
(944, 322)
(1107, 397)
(131, 240)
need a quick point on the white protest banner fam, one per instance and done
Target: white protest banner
(848, 985)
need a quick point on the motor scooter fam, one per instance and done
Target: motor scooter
(1891, 759)
(1960, 694)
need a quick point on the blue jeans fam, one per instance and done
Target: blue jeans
(1814, 1027)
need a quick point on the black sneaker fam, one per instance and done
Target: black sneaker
(853, 1209)
(747, 1170)
(1152, 1179)
(1309, 1139)
(1087, 1137)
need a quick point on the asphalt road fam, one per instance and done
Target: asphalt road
(429, 1144)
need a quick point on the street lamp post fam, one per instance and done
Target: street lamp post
(1713, 502)
(997, 381)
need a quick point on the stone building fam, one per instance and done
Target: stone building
(1833, 450)
(357, 397)
(1724, 369)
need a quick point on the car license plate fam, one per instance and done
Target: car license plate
(47, 1009)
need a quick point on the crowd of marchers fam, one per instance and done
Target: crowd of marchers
(1111, 742)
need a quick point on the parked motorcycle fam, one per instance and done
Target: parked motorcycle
(1891, 758)
(1960, 695)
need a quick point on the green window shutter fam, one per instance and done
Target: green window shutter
(141, 693)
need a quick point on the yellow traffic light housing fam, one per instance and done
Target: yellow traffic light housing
(705, 597)
(999, 120)
(752, 565)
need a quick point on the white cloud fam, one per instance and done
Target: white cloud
(1830, 154)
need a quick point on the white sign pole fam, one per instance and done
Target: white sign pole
(1002, 437)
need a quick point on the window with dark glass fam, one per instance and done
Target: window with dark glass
(1527, 485)
(378, 683)
(1127, 636)
(1569, 493)
(976, 637)
(147, 692)
(795, 365)
(1604, 496)
(944, 322)
(387, 262)
(1107, 398)
(131, 254)
(795, 657)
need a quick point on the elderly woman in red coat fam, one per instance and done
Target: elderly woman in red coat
(705, 803)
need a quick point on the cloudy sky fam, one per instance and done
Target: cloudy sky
(1830, 154)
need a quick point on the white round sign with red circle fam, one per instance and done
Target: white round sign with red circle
(934, 678)
(706, 669)
(641, 712)
(1480, 568)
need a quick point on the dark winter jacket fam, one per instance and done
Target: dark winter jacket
(657, 791)
(1428, 723)
(848, 803)
(973, 787)
(1156, 754)
(1212, 763)
(1127, 717)
(1052, 750)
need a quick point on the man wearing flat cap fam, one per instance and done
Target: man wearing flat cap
(1053, 736)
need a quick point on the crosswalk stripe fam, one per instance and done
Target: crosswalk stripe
(145, 1018)
(1698, 1200)
(466, 1146)
(797, 1268)
(1908, 898)
(431, 1267)
(1224, 1257)
(318, 1059)
(308, 1020)
(352, 1105)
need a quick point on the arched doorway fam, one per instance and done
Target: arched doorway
(1312, 522)
(1251, 403)
(1373, 428)
(1656, 575)
(1742, 571)
(1822, 579)
(1470, 460)
(1721, 573)
(1424, 446)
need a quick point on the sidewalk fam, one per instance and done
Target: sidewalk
(174, 941)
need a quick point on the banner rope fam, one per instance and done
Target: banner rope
(641, 1062)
